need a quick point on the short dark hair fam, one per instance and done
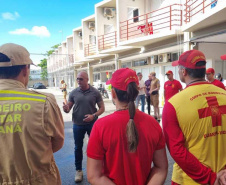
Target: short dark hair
(196, 73)
(10, 72)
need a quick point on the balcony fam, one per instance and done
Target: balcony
(200, 14)
(71, 59)
(195, 7)
(107, 41)
(90, 49)
(152, 23)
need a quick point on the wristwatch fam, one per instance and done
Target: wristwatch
(94, 115)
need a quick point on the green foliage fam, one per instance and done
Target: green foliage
(43, 63)
(52, 50)
(30, 77)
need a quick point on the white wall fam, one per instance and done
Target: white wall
(101, 21)
(70, 45)
(152, 5)
(87, 31)
(213, 52)
(78, 52)
(122, 9)
(86, 38)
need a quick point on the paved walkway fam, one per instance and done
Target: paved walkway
(65, 157)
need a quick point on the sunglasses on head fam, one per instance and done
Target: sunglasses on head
(79, 79)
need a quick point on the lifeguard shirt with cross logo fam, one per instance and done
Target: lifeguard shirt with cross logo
(194, 125)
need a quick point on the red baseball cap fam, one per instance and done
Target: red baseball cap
(210, 70)
(122, 77)
(169, 72)
(223, 57)
(190, 58)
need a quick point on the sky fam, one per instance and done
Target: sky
(40, 24)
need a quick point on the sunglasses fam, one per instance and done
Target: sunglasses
(79, 79)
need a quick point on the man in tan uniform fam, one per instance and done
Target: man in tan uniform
(31, 124)
(154, 93)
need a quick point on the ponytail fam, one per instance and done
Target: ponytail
(129, 97)
(131, 131)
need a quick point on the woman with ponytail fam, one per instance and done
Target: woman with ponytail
(123, 145)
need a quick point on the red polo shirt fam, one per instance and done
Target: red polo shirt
(171, 88)
(218, 83)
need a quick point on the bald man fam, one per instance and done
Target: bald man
(83, 99)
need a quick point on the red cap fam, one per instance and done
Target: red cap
(122, 77)
(169, 72)
(210, 70)
(189, 59)
(223, 57)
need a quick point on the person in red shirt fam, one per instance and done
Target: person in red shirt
(210, 77)
(123, 145)
(172, 86)
(194, 125)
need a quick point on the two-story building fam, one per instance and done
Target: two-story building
(145, 35)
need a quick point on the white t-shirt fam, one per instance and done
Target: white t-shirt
(141, 85)
(224, 82)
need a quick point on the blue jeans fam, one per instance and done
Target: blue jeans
(79, 133)
(142, 98)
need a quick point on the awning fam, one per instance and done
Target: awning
(223, 57)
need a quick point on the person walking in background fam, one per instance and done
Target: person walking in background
(123, 145)
(171, 87)
(31, 124)
(154, 93)
(64, 90)
(83, 99)
(148, 98)
(141, 94)
(210, 77)
(219, 77)
(194, 125)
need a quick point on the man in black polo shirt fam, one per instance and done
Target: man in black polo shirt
(84, 99)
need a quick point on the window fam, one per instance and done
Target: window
(140, 63)
(96, 77)
(133, 12)
(136, 14)
(127, 64)
(108, 29)
(92, 39)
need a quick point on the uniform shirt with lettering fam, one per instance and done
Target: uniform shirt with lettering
(142, 86)
(194, 128)
(31, 129)
(171, 88)
(108, 142)
(218, 83)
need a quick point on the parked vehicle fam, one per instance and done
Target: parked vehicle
(39, 85)
(103, 91)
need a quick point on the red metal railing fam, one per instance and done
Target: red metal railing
(165, 18)
(107, 41)
(194, 7)
(90, 49)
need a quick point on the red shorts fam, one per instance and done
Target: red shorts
(174, 183)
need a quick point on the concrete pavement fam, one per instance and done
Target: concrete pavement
(65, 157)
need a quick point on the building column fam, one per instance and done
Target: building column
(117, 62)
(90, 74)
(55, 80)
(187, 44)
(75, 77)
